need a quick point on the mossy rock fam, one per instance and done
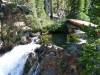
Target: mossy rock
(46, 39)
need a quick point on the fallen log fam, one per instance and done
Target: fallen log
(80, 23)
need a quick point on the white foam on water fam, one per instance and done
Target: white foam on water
(79, 32)
(82, 41)
(37, 70)
(12, 63)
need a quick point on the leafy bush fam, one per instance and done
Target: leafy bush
(97, 41)
(90, 59)
(59, 27)
(83, 16)
(90, 54)
(73, 38)
(45, 39)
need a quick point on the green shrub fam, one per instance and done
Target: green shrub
(83, 16)
(89, 59)
(46, 39)
(58, 27)
(97, 41)
(73, 38)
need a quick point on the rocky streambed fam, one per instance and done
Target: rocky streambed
(53, 60)
(56, 56)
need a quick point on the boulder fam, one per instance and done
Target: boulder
(53, 60)
(5, 48)
(22, 26)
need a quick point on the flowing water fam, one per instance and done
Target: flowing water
(12, 63)
(35, 70)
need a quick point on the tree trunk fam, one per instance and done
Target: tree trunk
(51, 11)
(74, 9)
(2, 37)
(58, 4)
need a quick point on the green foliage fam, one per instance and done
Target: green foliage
(38, 18)
(91, 33)
(81, 5)
(12, 8)
(73, 38)
(45, 39)
(32, 21)
(40, 8)
(90, 59)
(58, 27)
(94, 11)
(55, 28)
(97, 41)
(90, 54)
(83, 16)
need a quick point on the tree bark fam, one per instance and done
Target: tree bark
(1, 20)
(51, 11)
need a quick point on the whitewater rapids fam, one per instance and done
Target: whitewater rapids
(12, 63)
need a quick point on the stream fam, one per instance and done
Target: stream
(13, 62)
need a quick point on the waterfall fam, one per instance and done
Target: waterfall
(12, 63)
(35, 70)
(80, 34)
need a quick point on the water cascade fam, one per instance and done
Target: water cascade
(35, 70)
(12, 63)
(82, 35)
